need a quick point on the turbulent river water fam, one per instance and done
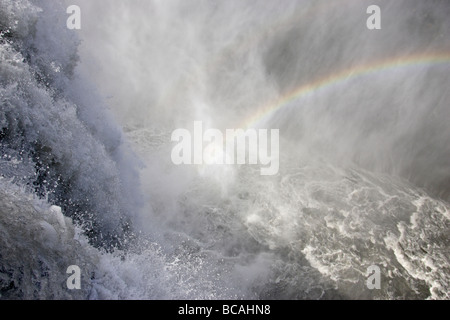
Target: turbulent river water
(86, 176)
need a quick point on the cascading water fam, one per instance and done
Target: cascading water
(87, 179)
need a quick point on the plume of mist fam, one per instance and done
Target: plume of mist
(167, 63)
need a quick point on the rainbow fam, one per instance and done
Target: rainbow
(339, 77)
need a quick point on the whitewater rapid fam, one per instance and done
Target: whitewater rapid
(85, 136)
(312, 231)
